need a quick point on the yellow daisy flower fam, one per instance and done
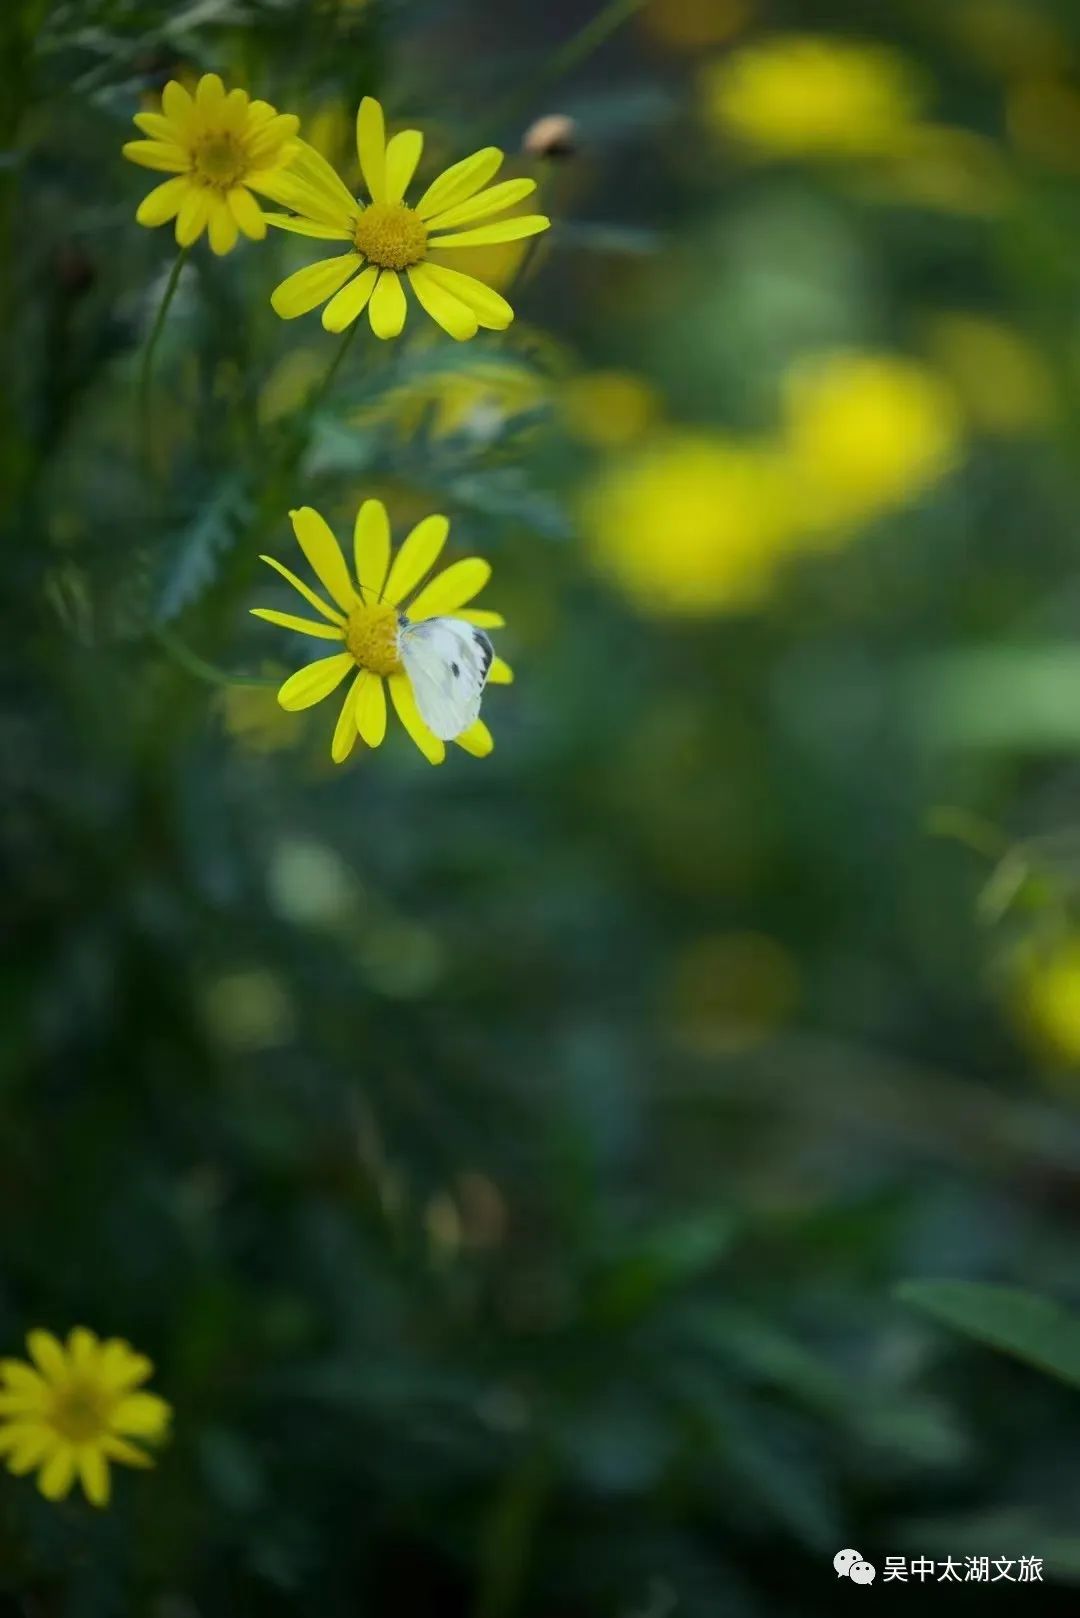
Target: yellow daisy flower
(365, 620)
(386, 237)
(219, 148)
(76, 1409)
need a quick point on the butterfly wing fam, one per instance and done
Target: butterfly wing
(447, 661)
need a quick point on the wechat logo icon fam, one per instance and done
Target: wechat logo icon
(850, 1565)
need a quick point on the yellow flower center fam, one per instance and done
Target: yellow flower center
(371, 635)
(220, 160)
(391, 235)
(80, 1411)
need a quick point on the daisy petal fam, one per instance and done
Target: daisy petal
(32, 1447)
(482, 618)
(451, 588)
(158, 128)
(22, 1380)
(477, 740)
(371, 710)
(387, 309)
(371, 147)
(307, 288)
(48, 1356)
(177, 105)
(223, 228)
(345, 305)
(446, 311)
(291, 192)
(500, 672)
(324, 555)
(405, 703)
(308, 686)
(506, 230)
(460, 181)
(345, 731)
(163, 202)
(487, 202)
(402, 156)
(210, 94)
(490, 309)
(418, 554)
(157, 154)
(141, 1415)
(58, 1473)
(303, 626)
(247, 213)
(305, 590)
(311, 167)
(118, 1449)
(82, 1346)
(308, 227)
(371, 548)
(94, 1474)
(194, 213)
(120, 1367)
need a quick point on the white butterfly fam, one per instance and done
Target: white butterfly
(447, 661)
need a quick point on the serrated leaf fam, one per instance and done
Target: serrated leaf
(1035, 1330)
(197, 551)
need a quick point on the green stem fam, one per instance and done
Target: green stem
(321, 389)
(146, 367)
(182, 654)
(570, 55)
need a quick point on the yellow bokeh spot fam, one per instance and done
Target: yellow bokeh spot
(609, 408)
(1001, 380)
(865, 433)
(951, 170)
(1006, 36)
(693, 523)
(1045, 999)
(801, 95)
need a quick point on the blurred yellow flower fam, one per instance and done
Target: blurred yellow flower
(387, 237)
(807, 96)
(365, 620)
(1046, 998)
(75, 1409)
(609, 408)
(219, 149)
(253, 718)
(692, 523)
(1000, 378)
(865, 433)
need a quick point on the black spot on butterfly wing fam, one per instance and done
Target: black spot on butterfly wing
(486, 650)
(455, 670)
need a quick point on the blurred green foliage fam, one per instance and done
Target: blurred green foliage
(511, 1168)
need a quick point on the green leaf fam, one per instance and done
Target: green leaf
(197, 551)
(1034, 1329)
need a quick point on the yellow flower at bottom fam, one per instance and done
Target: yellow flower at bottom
(692, 524)
(219, 148)
(365, 620)
(75, 1409)
(388, 241)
